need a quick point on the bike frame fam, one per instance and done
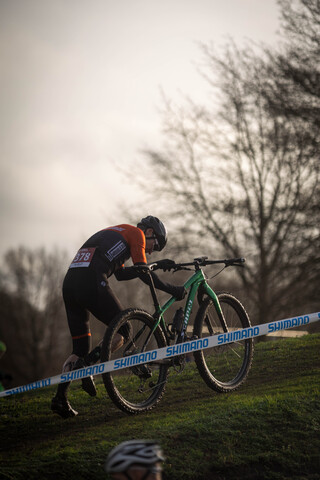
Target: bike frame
(192, 284)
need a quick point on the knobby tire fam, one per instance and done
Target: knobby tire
(224, 367)
(134, 389)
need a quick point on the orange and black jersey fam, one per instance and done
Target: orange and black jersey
(107, 251)
(111, 248)
(135, 240)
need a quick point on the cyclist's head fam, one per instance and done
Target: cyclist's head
(135, 458)
(158, 228)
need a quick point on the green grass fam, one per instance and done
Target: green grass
(268, 429)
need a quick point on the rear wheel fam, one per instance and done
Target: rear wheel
(134, 388)
(224, 368)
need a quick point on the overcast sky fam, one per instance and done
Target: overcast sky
(80, 89)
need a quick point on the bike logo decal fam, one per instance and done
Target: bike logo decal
(188, 311)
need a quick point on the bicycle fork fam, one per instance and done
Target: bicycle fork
(200, 282)
(218, 308)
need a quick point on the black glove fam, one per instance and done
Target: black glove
(178, 292)
(165, 264)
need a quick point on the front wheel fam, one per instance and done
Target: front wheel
(224, 368)
(134, 388)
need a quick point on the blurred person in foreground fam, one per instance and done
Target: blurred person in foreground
(86, 289)
(135, 460)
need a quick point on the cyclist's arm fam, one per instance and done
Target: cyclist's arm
(126, 273)
(136, 240)
(129, 273)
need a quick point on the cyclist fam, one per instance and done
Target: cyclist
(135, 460)
(86, 289)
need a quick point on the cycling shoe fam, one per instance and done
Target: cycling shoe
(87, 383)
(62, 407)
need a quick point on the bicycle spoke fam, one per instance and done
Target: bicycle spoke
(135, 387)
(224, 367)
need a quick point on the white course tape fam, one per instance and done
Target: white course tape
(169, 351)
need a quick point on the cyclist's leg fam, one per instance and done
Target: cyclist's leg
(78, 321)
(78, 290)
(78, 307)
(106, 306)
(84, 291)
(96, 296)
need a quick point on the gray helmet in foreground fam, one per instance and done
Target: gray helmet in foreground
(158, 228)
(134, 452)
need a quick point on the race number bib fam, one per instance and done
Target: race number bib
(83, 258)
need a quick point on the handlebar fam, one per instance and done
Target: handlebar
(204, 261)
(167, 264)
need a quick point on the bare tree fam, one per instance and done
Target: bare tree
(242, 177)
(33, 323)
(295, 70)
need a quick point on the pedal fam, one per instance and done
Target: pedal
(179, 361)
(93, 357)
(142, 371)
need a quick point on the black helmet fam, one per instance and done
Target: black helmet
(142, 452)
(158, 228)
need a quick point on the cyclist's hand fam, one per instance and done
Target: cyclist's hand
(165, 264)
(178, 292)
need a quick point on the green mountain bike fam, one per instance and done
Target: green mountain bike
(224, 368)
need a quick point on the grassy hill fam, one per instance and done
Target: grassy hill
(268, 429)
